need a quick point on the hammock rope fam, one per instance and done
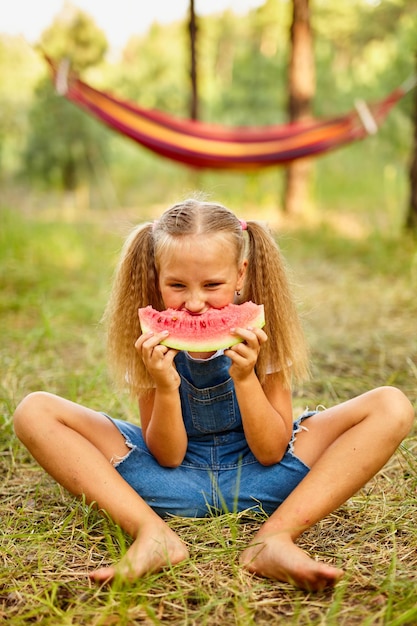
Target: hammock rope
(213, 146)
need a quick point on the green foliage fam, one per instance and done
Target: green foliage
(19, 72)
(362, 49)
(153, 73)
(243, 66)
(64, 146)
(73, 35)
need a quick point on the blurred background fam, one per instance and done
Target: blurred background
(230, 64)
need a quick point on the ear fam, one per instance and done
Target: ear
(241, 275)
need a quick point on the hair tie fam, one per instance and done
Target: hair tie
(243, 225)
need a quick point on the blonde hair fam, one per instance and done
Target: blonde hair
(135, 285)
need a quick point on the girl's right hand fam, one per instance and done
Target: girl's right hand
(158, 359)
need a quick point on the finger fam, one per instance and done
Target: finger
(252, 336)
(242, 354)
(260, 334)
(243, 362)
(141, 340)
(160, 353)
(150, 340)
(160, 349)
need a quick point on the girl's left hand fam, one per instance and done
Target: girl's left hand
(244, 355)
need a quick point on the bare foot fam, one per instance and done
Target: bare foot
(152, 550)
(276, 556)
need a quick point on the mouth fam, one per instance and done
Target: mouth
(194, 313)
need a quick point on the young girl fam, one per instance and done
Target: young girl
(217, 431)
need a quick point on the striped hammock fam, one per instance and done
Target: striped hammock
(212, 146)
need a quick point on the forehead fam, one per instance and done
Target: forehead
(217, 248)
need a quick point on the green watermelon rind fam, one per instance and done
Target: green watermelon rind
(218, 321)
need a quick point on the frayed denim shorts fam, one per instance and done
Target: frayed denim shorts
(219, 474)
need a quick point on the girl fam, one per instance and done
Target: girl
(217, 430)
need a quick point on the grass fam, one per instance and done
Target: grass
(357, 297)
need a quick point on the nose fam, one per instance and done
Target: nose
(195, 303)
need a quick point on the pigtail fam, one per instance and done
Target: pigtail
(267, 283)
(134, 286)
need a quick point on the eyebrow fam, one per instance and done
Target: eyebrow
(173, 277)
(209, 279)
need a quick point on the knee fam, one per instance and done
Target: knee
(27, 412)
(397, 408)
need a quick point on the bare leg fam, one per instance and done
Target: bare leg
(345, 447)
(74, 445)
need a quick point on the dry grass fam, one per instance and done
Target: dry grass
(358, 300)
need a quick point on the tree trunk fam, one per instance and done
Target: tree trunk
(411, 221)
(301, 84)
(192, 26)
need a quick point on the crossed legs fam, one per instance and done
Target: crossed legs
(345, 446)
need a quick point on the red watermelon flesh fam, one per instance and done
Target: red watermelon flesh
(206, 332)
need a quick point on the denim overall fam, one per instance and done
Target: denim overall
(219, 472)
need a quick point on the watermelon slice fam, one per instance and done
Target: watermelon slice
(207, 332)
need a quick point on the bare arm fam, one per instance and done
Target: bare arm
(266, 410)
(161, 416)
